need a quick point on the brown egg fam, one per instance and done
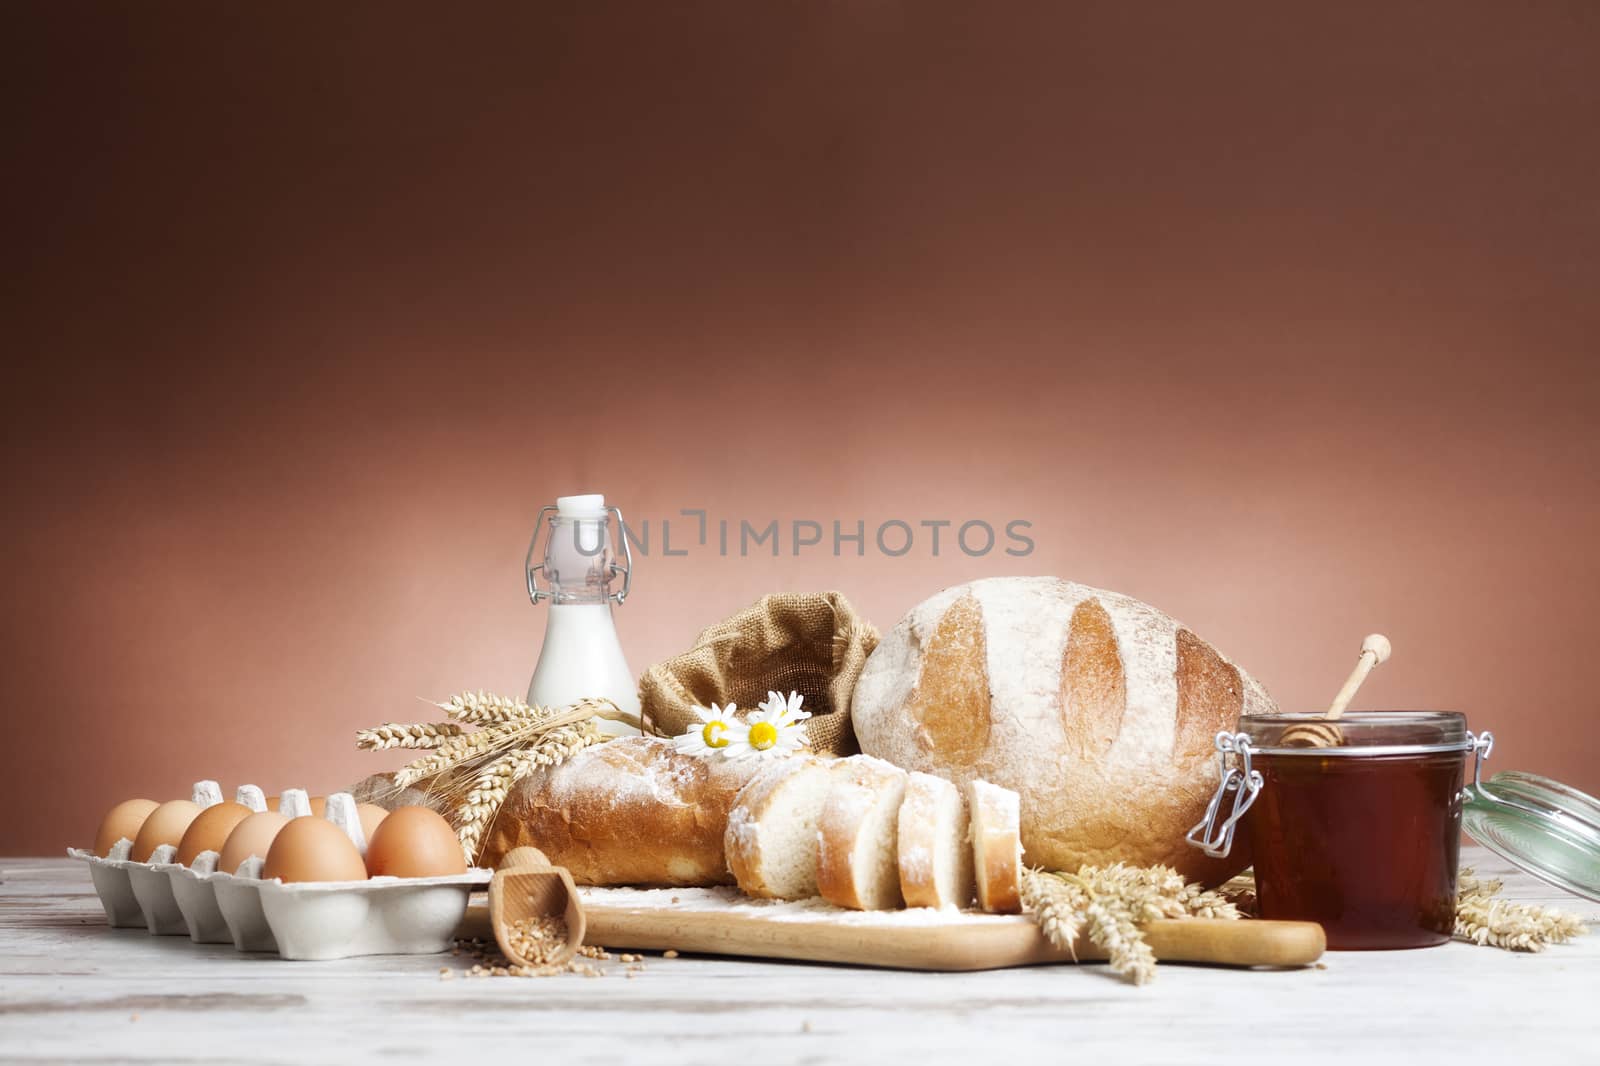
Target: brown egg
(252, 836)
(123, 820)
(312, 849)
(415, 842)
(210, 829)
(370, 814)
(165, 825)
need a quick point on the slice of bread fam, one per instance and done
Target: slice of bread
(857, 857)
(935, 854)
(771, 840)
(996, 846)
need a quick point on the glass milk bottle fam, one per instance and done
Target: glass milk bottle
(582, 656)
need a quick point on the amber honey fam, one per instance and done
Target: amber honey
(1353, 823)
(1365, 845)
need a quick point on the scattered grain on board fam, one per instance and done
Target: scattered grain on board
(538, 940)
(488, 962)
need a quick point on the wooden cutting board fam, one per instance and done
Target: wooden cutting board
(722, 922)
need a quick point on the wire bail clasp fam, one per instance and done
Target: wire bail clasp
(1482, 744)
(534, 570)
(1210, 836)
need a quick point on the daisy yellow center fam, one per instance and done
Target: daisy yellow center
(763, 735)
(712, 734)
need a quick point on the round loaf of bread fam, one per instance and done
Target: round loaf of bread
(1099, 710)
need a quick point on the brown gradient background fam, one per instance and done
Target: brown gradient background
(1281, 317)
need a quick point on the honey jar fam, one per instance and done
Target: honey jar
(1361, 835)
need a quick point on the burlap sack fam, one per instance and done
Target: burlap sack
(811, 643)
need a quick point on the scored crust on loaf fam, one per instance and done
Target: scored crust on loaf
(857, 859)
(935, 853)
(996, 846)
(771, 840)
(1099, 710)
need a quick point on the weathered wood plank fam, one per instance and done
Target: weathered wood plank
(72, 990)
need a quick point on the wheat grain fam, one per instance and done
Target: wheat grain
(1110, 904)
(1113, 929)
(475, 771)
(1057, 906)
(396, 735)
(450, 752)
(537, 940)
(494, 782)
(1484, 919)
(485, 708)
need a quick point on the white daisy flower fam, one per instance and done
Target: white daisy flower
(773, 731)
(718, 729)
(787, 709)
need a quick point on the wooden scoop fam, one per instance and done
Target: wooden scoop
(1375, 649)
(526, 887)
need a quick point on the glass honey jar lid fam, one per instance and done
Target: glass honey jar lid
(1549, 829)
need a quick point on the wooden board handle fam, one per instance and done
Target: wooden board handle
(985, 944)
(1248, 942)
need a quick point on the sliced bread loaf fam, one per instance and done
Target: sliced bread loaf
(996, 846)
(771, 841)
(857, 859)
(935, 854)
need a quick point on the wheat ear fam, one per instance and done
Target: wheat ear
(396, 735)
(450, 752)
(1057, 906)
(1484, 919)
(485, 708)
(494, 783)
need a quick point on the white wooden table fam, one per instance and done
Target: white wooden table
(72, 990)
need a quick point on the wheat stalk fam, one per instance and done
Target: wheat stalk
(395, 735)
(485, 708)
(1484, 919)
(1111, 903)
(1114, 928)
(1057, 905)
(494, 782)
(475, 771)
(446, 755)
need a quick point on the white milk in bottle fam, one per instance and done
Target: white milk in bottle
(582, 656)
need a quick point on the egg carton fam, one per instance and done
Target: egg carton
(302, 921)
(112, 884)
(164, 897)
(205, 905)
(379, 916)
(239, 899)
(136, 895)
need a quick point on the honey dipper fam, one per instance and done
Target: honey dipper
(524, 890)
(1375, 649)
